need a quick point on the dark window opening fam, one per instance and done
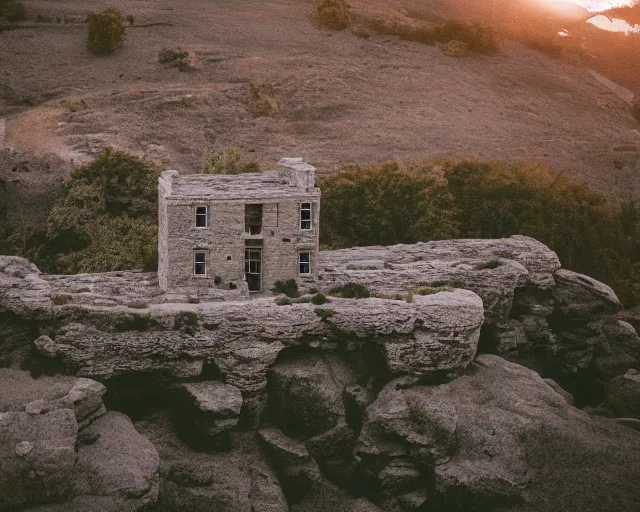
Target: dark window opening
(304, 263)
(305, 216)
(253, 218)
(200, 264)
(201, 217)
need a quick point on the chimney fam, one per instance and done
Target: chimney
(301, 174)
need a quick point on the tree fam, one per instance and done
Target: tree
(107, 219)
(106, 31)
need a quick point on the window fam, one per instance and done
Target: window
(305, 216)
(253, 219)
(201, 217)
(253, 268)
(200, 263)
(304, 262)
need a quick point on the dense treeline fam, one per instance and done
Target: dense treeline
(387, 204)
(107, 216)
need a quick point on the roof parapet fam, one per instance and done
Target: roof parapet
(300, 174)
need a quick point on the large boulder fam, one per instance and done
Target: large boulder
(117, 463)
(37, 457)
(208, 409)
(305, 392)
(623, 394)
(499, 436)
(296, 469)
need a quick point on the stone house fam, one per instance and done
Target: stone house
(237, 232)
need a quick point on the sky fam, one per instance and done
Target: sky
(602, 5)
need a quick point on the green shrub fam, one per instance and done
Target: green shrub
(12, 10)
(227, 161)
(351, 291)
(319, 299)
(176, 59)
(288, 287)
(106, 31)
(106, 219)
(324, 313)
(386, 204)
(283, 301)
(334, 14)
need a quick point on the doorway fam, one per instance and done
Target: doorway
(253, 268)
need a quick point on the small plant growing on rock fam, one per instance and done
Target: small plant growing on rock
(61, 299)
(488, 265)
(288, 287)
(175, 59)
(324, 313)
(283, 301)
(335, 14)
(351, 291)
(106, 31)
(318, 299)
(130, 19)
(217, 280)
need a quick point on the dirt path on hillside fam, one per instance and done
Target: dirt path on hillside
(37, 132)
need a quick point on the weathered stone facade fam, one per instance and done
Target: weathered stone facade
(249, 216)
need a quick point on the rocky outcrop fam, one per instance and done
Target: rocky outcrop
(114, 444)
(305, 393)
(497, 437)
(296, 469)
(623, 394)
(562, 324)
(37, 457)
(205, 411)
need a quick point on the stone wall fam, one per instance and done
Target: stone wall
(224, 241)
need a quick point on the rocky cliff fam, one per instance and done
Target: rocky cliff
(383, 403)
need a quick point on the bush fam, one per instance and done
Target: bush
(227, 162)
(288, 287)
(12, 10)
(351, 291)
(387, 205)
(318, 299)
(334, 14)
(283, 301)
(324, 313)
(176, 59)
(106, 31)
(106, 219)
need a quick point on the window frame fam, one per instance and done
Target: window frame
(309, 220)
(196, 263)
(206, 217)
(300, 262)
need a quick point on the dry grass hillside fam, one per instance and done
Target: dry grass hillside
(333, 97)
